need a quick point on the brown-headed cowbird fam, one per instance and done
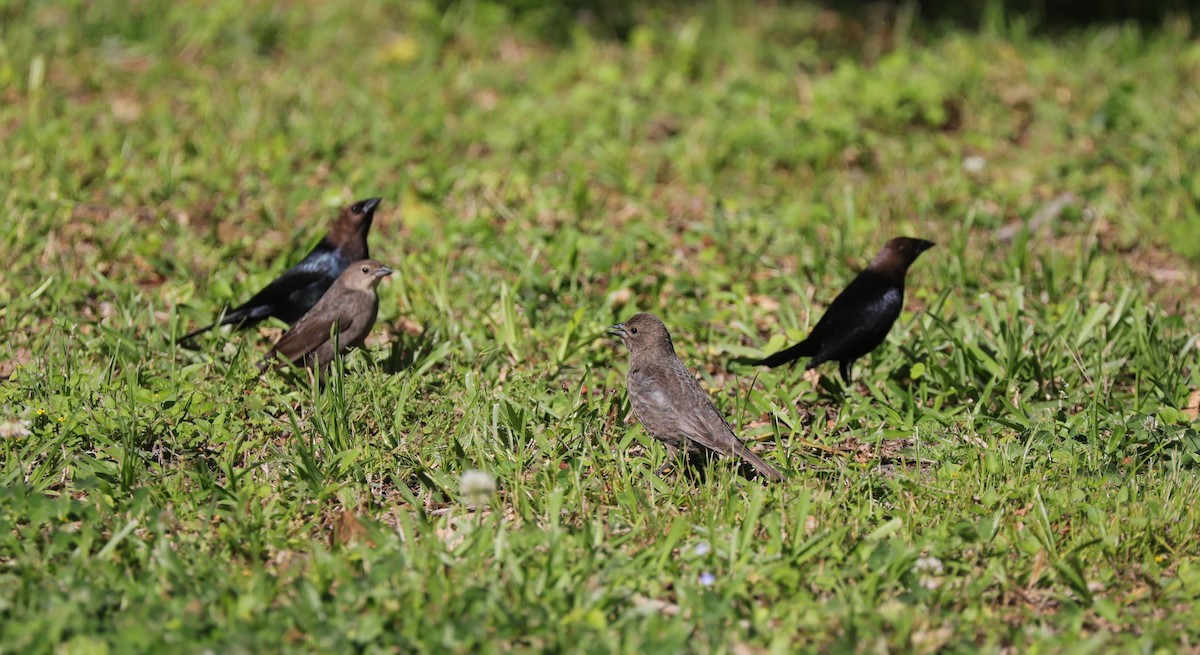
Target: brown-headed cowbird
(858, 320)
(342, 318)
(669, 402)
(295, 292)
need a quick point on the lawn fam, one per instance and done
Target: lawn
(1014, 469)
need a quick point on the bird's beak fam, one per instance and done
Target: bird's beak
(370, 204)
(617, 330)
(924, 245)
(383, 271)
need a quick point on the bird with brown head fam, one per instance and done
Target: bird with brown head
(860, 317)
(341, 320)
(298, 289)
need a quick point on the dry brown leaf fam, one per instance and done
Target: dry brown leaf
(811, 376)
(347, 528)
(410, 327)
(667, 608)
(1192, 408)
(21, 357)
(767, 303)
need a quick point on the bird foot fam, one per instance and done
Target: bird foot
(664, 469)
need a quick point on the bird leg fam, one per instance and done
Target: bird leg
(672, 457)
(844, 366)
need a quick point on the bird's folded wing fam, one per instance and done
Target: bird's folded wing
(698, 419)
(863, 307)
(281, 287)
(710, 431)
(308, 335)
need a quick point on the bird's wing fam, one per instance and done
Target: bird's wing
(673, 407)
(283, 286)
(708, 427)
(698, 419)
(308, 335)
(868, 305)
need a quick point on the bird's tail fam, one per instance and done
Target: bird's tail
(194, 333)
(788, 355)
(271, 359)
(239, 317)
(764, 469)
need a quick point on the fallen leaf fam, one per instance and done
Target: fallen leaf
(767, 303)
(22, 355)
(347, 528)
(410, 327)
(1192, 408)
(811, 376)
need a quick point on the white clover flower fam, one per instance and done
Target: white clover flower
(1150, 423)
(477, 486)
(14, 429)
(930, 569)
(929, 565)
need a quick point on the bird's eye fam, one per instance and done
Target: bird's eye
(357, 209)
(366, 269)
(633, 330)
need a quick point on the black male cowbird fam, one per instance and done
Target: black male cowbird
(669, 402)
(858, 320)
(301, 286)
(342, 319)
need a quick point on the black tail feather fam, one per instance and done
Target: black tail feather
(788, 355)
(238, 317)
(194, 333)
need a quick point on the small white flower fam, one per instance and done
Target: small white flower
(974, 164)
(14, 429)
(929, 565)
(707, 579)
(477, 486)
(702, 549)
(930, 569)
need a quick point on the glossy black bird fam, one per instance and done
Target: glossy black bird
(295, 292)
(341, 320)
(858, 320)
(668, 401)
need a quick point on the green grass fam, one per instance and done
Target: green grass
(1016, 467)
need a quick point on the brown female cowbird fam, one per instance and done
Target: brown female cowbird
(342, 319)
(301, 286)
(669, 403)
(858, 320)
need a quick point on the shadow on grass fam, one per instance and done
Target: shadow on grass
(406, 350)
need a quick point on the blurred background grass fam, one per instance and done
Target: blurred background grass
(547, 170)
